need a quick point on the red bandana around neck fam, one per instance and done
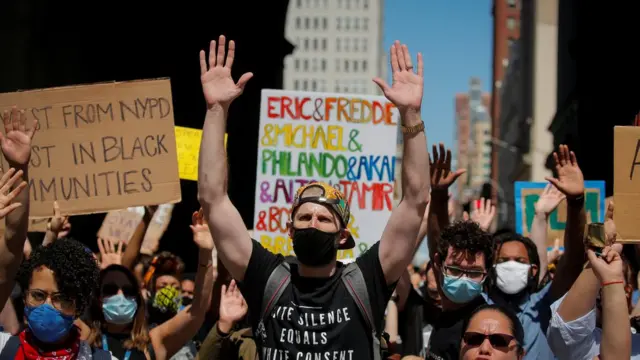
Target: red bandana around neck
(69, 350)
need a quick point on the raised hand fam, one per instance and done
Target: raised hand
(201, 234)
(555, 252)
(608, 267)
(484, 213)
(406, 90)
(110, 252)
(16, 141)
(441, 175)
(610, 230)
(570, 180)
(8, 180)
(217, 84)
(56, 223)
(233, 307)
(549, 200)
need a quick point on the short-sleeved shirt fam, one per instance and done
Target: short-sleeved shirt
(315, 318)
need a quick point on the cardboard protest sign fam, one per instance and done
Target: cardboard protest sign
(348, 141)
(35, 225)
(121, 224)
(528, 193)
(626, 182)
(188, 150)
(157, 227)
(100, 147)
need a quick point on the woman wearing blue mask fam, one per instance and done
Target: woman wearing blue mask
(119, 319)
(57, 282)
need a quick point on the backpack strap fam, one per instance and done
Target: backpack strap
(353, 280)
(11, 348)
(276, 285)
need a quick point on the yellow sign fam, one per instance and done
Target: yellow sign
(188, 148)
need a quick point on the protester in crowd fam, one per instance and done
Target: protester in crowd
(579, 328)
(121, 324)
(59, 281)
(318, 227)
(226, 340)
(492, 332)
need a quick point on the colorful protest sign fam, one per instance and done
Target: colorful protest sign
(527, 193)
(348, 141)
(188, 150)
(99, 147)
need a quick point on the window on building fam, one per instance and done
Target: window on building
(512, 3)
(357, 4)
(340, 4)
(339, 23)
(307, 23)
(296, 63)
(365, 26)
(296, 84)
(315, 44)
(323, 65)
(347, 44)
(325, 3)
(356, 24)
(346, 66)
(365, 43)
(316, 23)
(305, 65)
(299, 4)
(356, 44)
(510, 42)
(323, 85)
(306, 44)
(337, 64)
(325, 23)
(305, 85)
(314, 85)
(347, 23)
(338, 44)
(314, 64)
(298, 23)
(364, 65)
(336, 88)
(355, 65)
(511, 23)
(316, 3)
(365, 4)
(324, 44)
(348, 4)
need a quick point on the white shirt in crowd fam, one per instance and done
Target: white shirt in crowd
(579, 339)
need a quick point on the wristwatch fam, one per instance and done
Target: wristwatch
(413, 129)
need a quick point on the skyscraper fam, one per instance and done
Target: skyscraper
(338, 46)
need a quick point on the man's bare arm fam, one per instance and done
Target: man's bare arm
(227, 227)
(398, 239)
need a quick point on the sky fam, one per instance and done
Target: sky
(455, 39)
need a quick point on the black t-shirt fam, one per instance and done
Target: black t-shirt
(315, 318)
(411, 321)
(114, 346)
(444, 343)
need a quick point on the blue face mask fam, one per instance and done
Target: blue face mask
(47, 323)
(119, 310)
(460, 290)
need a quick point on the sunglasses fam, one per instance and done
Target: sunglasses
(112, 289)
(497, 341)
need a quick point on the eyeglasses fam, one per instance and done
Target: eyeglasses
(458, 272)
(497, 341)
(112, 289)
(59, 301)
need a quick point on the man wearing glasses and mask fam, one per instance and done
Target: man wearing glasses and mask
(461, 260)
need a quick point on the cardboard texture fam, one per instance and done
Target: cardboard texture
(120, 225)
(526, 195)
(626, 183)
(100, 147)
(35, 225)
(156, 229)
(188, 149)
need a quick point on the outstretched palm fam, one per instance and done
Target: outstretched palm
(570, 179)
(407, 88)
(232, 305)
(201, 234)
(217, 84)
(440, 167)
(16, 141)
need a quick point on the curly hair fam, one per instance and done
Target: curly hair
(466, 236)
(74, 267)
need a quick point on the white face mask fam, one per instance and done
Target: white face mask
(512, 276)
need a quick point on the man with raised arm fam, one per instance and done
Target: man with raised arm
(315, 315)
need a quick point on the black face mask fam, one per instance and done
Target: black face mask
(186, 301)
(314, 247)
